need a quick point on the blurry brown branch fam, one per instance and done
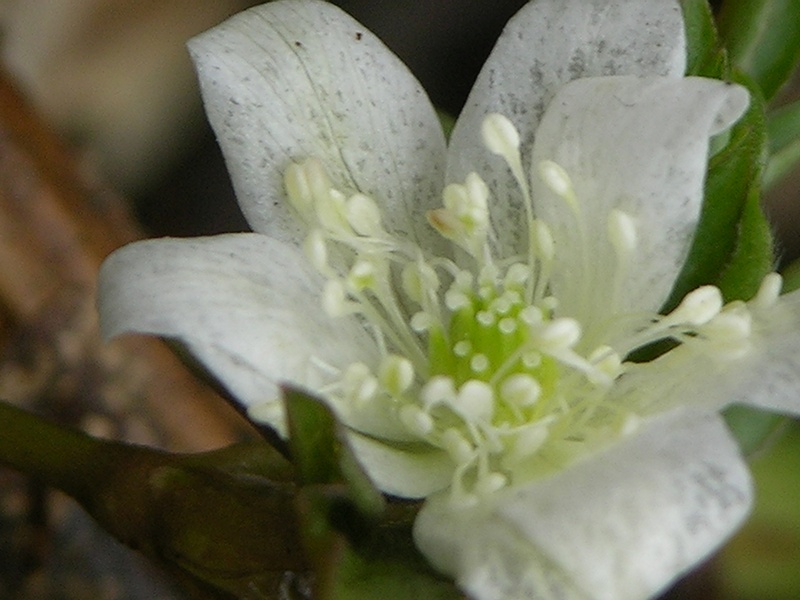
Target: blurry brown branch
(56, 226)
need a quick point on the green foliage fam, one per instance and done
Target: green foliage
(783, 128)
(762, 39)
(360, 547)
(706, 57)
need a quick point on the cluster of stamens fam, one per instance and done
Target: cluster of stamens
(477, 361)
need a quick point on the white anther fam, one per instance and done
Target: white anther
(360, 385)
(334, 299)
(507, 326)
(396, 374)
(530, 440)
(364, 215)
(559, 334)
(556, 178)
(317, 178)
(475, 401)
(477, 190)
(630, 424)
(460, 450)
(362, 275)
(455, 299)
(445, 222)
(697, 308)
(491, 483)
(455, 198)
(622, 232)
(769, 291)
(416, 420)
(419, 280)
(438, 390)
(607, 361)
(531, 315)
(298, 190)
(516, 276)
(544, 246)
(520, 390)
(549, 303)
(331, 211)
(500, 136)
(422, 321)
(479, 363)
(316, 251)
(731, 326)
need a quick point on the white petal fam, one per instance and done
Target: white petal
(246, 305)
(619, 526)
(766, 376)
(636, 145)
(412, 471)
(547, 44)
(289, 80)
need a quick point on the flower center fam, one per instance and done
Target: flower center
(474, 358)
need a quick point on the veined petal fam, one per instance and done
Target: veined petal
(659, 502)
(410, 471)
(296, 79)
(247, 306)
(547, 44)
(635, 147)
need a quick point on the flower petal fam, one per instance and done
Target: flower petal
(290, 80)
(636, 145)
(547, 44)
(620, 525)
(765, 375)
(410, 471)
(246, 305)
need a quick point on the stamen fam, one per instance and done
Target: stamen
(475, 401)
(520, 390)
(417, 420)
(298, 189)
(396, 374)
(557, 179)
(334, 299)
(622, 233)
(459, 448)
(769, 291)
(364, 215)
(559, 334)
(316, 251)
(697, 308)
(501, 137)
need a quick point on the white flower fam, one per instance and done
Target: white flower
(467, 311)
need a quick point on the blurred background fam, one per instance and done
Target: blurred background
(113, 79)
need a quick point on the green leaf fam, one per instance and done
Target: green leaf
(321, 453)
(382, 562)
(360, 547)
(705, 55)
(754, 255)
(763, 39)
(752, 428)
(732, 242)
(791, 277)
(783, 129)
